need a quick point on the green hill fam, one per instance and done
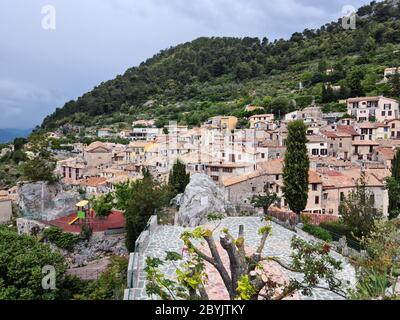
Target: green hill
(219, 75)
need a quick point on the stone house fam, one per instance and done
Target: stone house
(394, 127)
(261, 121)
(363, 150)
(104, 132)
(337, 185)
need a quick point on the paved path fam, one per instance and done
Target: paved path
(166, 238)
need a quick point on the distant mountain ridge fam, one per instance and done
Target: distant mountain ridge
(9, 134)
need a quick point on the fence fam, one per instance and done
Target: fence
(315, 219)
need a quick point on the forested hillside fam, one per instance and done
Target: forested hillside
(219, 75)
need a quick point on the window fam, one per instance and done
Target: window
(253, 189)
(317, 200)
(70, 173)
(277, 177)
(314, 186)
(262, 155)
(214, 169)
(315, 152)
(389, 113)
(64, 172)
(215, 178)
(227, 170)
(341, 197)
(324, 152)
(383, 113)
(340, 145)
(325, 196)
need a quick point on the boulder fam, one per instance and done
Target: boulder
(201, 197)
(46, 202)
(30, 227)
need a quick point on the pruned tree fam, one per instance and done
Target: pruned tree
(266, 200)
(246, 277)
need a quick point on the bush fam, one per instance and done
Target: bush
(63, 240)
(338, 230)
(318, 232)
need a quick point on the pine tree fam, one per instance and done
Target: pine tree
(178, 179)
(296, 167)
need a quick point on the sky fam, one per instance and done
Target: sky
(52, 56)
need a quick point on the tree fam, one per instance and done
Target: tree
(21, 261)
(246, 278)
(358, 209)
(147, 197)
(103, 205)
(296, 167)
(393, 186)
(265, 201)
(178, 179)
(354, 83)
(394, 83)
(38, 169)
(123, 194)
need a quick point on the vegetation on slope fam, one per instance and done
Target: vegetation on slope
(219, 75)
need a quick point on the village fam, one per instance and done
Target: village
(239, 163)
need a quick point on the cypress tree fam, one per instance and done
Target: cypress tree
(296, 167)
(178, 179)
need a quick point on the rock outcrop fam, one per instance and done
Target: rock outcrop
(201, 197)
(30, 227)
(43, 201)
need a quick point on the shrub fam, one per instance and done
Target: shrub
(338, 230)
(318, 232)
(61, 239)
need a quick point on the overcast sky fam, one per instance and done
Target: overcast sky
(95, 40)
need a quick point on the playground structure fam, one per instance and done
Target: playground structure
(84, 215)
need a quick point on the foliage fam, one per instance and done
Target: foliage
(110, 285)
(122, 195)
(38, 169)
(358, 209)
(178, 179)
(265, 201)
(147, 197)
(215, 70)
(393, 186)
(61, 239)
(318, 232)
(103, 204)
(370, 285)
(21, 261)
(247, 279)
(296, 167)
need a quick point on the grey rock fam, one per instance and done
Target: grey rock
(202, 197)
(30, 227)
(46, 202)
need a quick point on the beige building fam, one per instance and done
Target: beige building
(379, 108)
(261, 121)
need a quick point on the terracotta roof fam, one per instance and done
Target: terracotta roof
(347, 129)
(388, 153)
(359, 99)
(272, 166)
(94, 181)
(313, 177)
(367, 125)
(97, 144)
(230, 181)
(365, 143)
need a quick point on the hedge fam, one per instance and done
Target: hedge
(60, 238)
(318, 232)
(338, 230)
